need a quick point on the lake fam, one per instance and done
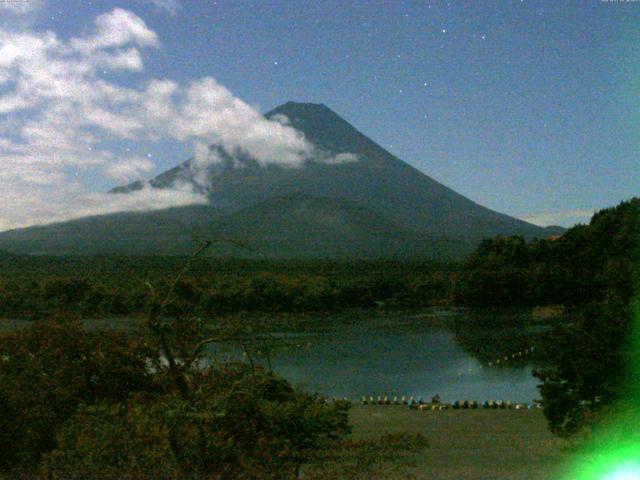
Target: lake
(458, 356)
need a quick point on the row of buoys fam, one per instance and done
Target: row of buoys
(446, 406)
(513, 356)
(487, 405)
(419, 404)
(437, 405)
(387, 401)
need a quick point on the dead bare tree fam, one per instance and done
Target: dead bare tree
(180, 361)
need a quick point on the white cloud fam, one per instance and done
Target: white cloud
(20, 7)
(115, 29)
(50, 206)
(12, 102)
(129, 59)
(203, 158)
(157, 103)
(341, 158)
(208, 110)
(17, 15)
(62, 104)
(129, 169)
(564, 218)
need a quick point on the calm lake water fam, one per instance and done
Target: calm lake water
(413, 354)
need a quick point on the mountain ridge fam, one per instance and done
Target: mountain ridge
(379, 180)
(409, 206)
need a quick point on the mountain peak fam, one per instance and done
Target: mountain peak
(300, 106)
(322, 126)
(297, 111)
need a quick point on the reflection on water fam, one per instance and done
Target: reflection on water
(414, 355)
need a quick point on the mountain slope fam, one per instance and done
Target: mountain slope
(305, 226)
(136, 233)
(379, 181)
(295, 226)
(376, 206)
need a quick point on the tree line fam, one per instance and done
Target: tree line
(592, 270)
(587, 262)
(89, 288)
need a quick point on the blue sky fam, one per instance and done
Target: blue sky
(528, 107)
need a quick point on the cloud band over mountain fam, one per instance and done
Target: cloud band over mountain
(67, 106)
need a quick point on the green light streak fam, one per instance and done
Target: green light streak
(617, 461)
(614, 451)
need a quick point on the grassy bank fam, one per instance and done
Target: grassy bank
(466, 444)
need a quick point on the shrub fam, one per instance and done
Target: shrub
(46, 371)
(107, 441)
(241, 424)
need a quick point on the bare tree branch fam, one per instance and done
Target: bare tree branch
(154, 318)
